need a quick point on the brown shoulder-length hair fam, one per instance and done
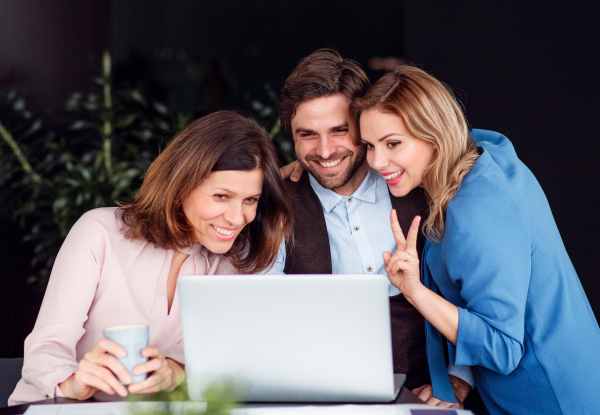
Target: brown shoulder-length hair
(224, 140)
(430, 112)
(321, 74)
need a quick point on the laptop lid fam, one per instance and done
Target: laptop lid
(289, 338)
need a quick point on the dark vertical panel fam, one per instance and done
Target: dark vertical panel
(50, 48)
(260, 41)
(528, 70)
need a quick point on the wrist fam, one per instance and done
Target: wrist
(417, 295)
(66, 386)
(460, 387)
(178, 371)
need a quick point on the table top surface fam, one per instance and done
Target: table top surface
(405, 396)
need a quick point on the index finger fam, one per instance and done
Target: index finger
(106, 345)
(413, 232)
(396, 229)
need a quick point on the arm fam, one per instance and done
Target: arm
(279, 265)
(50, 349)
(487, 253)
(461, 391)
(403, 271)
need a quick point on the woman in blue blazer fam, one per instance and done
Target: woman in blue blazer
(497, 282)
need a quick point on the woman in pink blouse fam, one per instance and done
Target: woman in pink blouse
(213, 202)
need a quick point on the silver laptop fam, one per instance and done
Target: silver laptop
(289, 338)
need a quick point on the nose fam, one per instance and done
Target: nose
(325, 147)
(377, 159)
(234, 215)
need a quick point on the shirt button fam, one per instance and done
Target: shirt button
(356, 228)
(370, 269)
(350, 200)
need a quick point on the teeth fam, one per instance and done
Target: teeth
(222, 231)
(393, 176)
(330, 163)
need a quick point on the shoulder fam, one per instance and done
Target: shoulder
(299, 187)
(106, 218)
(487, 137)
(101, 224)
(485, 205)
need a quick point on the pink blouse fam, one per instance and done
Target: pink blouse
(101, 279)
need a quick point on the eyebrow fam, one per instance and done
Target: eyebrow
(303, 130)
(234, 193)
(386, 136)
(339, 127)
(334, 128)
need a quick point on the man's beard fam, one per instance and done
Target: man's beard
(339, 180)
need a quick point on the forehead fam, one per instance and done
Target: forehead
(236, 181)
(321, 113)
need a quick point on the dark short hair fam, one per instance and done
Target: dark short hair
(224, 140)
(320, 74)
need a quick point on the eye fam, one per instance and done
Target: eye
(307, 135)
(251, 200)
(393, 144)
(340, 131)
(220, 196)
(369, 145)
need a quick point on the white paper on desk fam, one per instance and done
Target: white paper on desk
(125, 408)
(389, 409)
(113, 408)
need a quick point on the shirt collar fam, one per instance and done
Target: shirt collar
(367, 191)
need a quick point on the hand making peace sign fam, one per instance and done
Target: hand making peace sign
(403, 267)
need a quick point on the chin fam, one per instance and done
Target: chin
(398, 191)
(217, 247)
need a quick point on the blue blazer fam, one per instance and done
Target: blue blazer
(525, 324)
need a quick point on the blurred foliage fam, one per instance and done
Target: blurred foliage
(96, 156)
(220, 398)
(267, 114)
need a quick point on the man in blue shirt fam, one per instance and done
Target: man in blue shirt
(341, 206)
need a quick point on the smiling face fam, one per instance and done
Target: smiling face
(391, 150)
(324, 144)
(220, 207)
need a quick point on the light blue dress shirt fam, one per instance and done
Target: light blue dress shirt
(359, 231)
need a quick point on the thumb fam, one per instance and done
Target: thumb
(386, 258)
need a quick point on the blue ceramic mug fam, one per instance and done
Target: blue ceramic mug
(133, 339)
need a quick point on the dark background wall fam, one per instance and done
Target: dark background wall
(528, 70)
(257, 42)
(525, 69)
(49, 48)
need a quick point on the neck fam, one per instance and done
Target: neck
(354, 182)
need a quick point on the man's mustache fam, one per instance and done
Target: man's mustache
(333, 157)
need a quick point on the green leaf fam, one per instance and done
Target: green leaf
(106, 64)
(59, 204)
(161, 108)
(126, 121)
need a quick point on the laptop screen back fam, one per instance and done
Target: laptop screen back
(298, 338)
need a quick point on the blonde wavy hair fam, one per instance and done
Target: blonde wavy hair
(431, 113)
